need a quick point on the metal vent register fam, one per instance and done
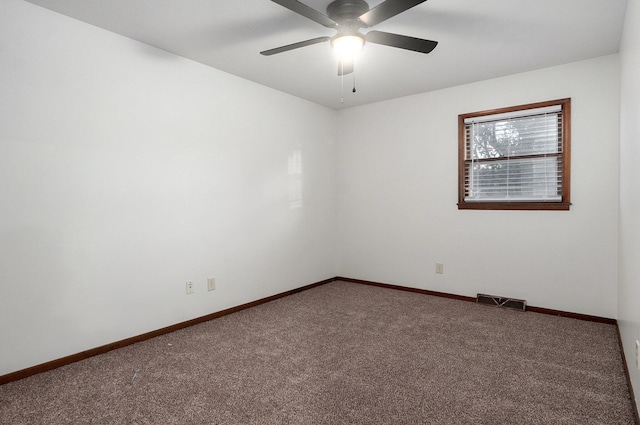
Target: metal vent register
(494, 300)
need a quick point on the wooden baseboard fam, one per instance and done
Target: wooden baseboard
(579, 316)
(626, 372)
(54, 364)
(407, 289)
(24, 373)
(534, 309)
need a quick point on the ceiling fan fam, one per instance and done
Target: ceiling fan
(348, 17)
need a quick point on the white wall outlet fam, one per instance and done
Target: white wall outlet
(637, 354)
(211, 283)
(440, 268)
(189, 287)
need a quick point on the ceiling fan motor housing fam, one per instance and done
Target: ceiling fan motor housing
(343, 11)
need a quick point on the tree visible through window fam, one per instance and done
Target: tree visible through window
(515, 158)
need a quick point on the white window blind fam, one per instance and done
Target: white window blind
(515, 156)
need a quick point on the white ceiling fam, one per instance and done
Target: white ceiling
(478, 40)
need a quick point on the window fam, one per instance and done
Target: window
(515, 158)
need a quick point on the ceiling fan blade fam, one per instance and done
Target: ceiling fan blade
(344, 67)
(401, 41)
(307, 12)
(386, 10)
(295, 46)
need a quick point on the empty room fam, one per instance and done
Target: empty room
(319, 212)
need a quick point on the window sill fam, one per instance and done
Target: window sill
(555, 206)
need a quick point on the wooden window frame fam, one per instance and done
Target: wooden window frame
(565, 201)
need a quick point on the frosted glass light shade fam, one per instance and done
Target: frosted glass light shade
(347, 46)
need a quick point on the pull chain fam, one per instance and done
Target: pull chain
(354, 80)
(342, 81)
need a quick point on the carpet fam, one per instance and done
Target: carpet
(345, 353)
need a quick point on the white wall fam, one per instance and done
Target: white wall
(126, 171)
(629, 265)
(398, 191)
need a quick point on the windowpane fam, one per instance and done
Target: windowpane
(516, 137)
(513, 155)
(518, 179)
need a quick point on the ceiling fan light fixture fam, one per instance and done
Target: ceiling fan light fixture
(347, 46)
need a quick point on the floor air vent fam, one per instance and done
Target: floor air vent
(502, 302)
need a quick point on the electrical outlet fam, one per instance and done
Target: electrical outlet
(189, 287)
(637, 354)
(440, 268)
(211, 283)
